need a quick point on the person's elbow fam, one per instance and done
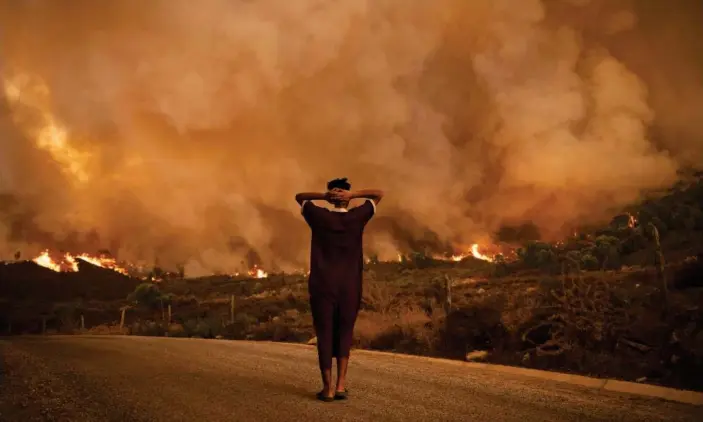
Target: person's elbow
(299, 199)
(379, 196)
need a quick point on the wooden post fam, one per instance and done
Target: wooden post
(43, 324)
(123, 309)
(82, 323)
(169, 314)
(660, 267)
(447, 294)
(231, 309)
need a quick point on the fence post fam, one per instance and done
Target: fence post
(82, 323)
(123, 309)
(43, 324)
(231, 309)
(661, 274)
(447, 294)
(169, 313)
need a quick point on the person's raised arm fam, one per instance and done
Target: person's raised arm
(373, 194)
(311, 196)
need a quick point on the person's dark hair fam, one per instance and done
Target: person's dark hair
(339, 184)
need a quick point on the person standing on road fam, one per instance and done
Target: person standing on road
(336, 267)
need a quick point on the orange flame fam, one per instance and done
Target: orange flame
(632, 222)
(45, 260)
(103, 262)
(69, 262)
(478, 255)
(474, 252)
(258, 272)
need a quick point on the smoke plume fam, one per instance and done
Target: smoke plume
(178, 132)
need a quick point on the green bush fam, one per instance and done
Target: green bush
(607, 251)
(149, 296)
(538, 255)
(589, 262)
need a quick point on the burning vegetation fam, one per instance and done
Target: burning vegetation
(68, 262)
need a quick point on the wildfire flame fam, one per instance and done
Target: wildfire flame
(45, 260)
(478, 255)
(258, 272)
(632, 222)
(69, 262)
(473, 252)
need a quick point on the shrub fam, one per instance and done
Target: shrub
(147, 328)
(176, 330)
(409, 329)
(589, 262)
(240, 327)
(203, 327)
(149, 296)
(589, 316)
(538, 255)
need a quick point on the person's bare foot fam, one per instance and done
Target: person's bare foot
(341, 394)
(327, 394)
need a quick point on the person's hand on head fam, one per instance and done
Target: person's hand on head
(342, 195)
(330, 196)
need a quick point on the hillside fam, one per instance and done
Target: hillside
(595, 303)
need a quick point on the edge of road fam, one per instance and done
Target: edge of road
(600, 384)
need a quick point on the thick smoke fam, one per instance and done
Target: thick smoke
(178, 133)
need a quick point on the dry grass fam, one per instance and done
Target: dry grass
(520, 308)
(409, 328)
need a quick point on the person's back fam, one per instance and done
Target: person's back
(336, 249)
(336, 267)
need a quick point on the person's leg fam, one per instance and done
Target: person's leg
(348, 311)
(335, 332)
(342, 365)
(322, 315)
(342, 362)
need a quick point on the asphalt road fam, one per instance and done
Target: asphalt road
(86, 378)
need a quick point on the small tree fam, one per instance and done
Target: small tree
(607, 251)
(538, 255)
(149, 296)
(146, 295)
(589, 262)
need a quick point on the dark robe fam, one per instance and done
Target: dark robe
(336, 267)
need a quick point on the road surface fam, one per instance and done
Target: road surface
(117, 378)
